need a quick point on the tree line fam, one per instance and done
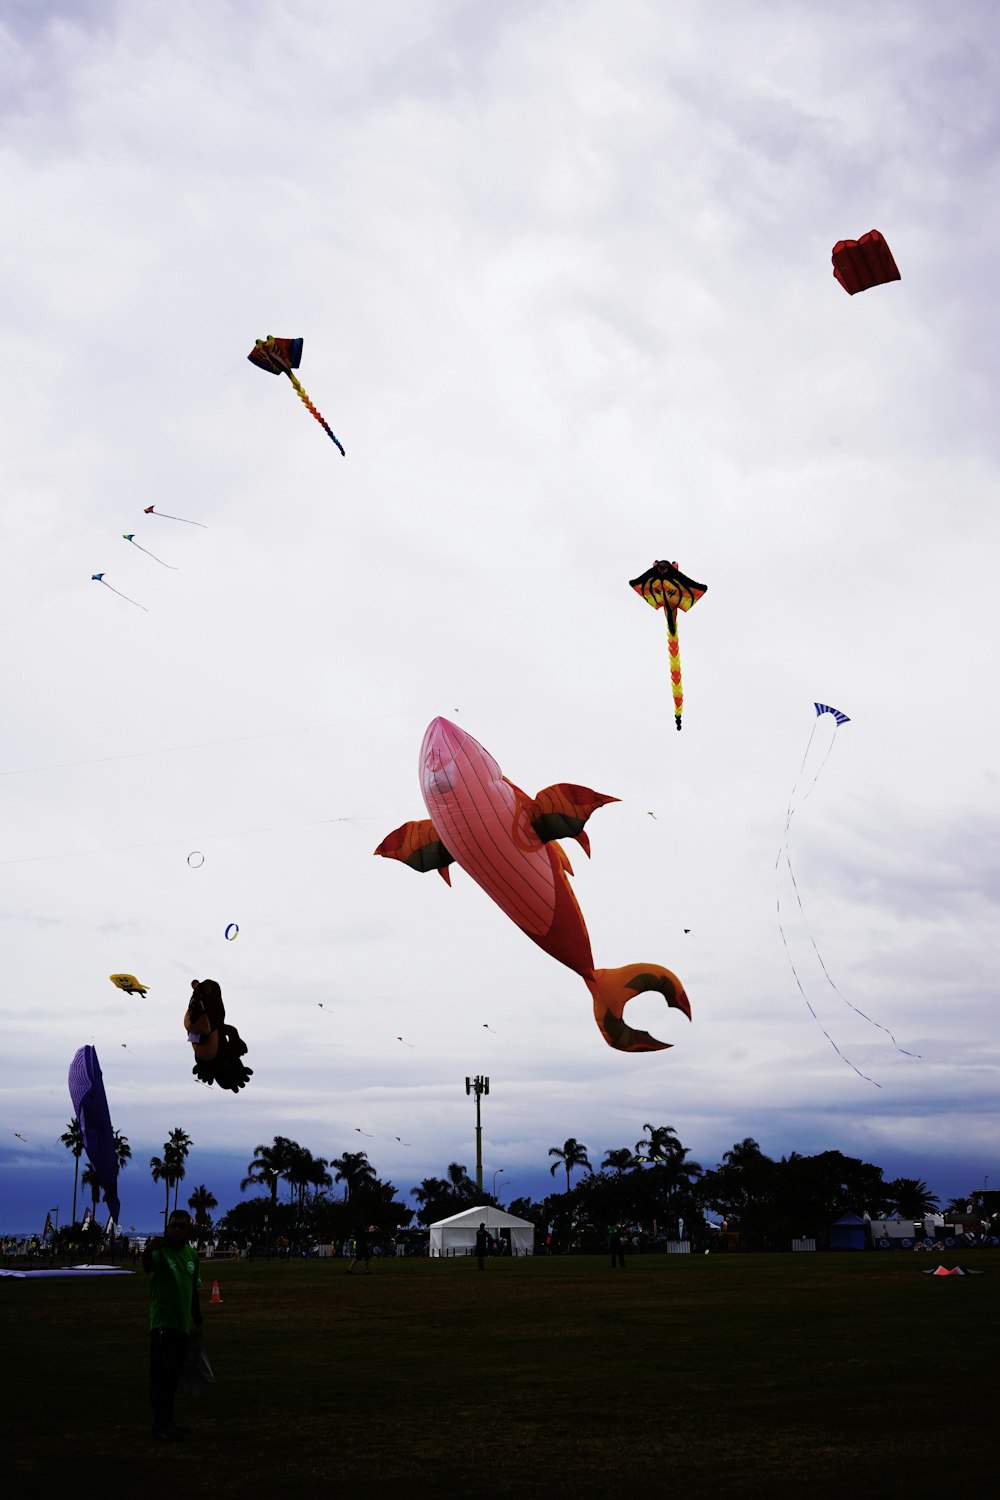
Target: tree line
(651, 1183)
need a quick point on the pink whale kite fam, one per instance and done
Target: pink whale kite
(505, 840)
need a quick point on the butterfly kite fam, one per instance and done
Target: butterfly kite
(281, 357)
(665, 587)
(864, 263)
(90, 1104)
(506, 841)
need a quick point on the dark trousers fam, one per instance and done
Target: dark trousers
(618, 1258)
(167, 1353)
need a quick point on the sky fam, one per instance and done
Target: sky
(563, 275)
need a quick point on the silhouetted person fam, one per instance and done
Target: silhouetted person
(362, 1251)
(174, 1314)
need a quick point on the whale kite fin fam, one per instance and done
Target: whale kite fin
(417, 844)
(612, 989)
(560, 812)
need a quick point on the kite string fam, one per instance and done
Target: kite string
(107, 585)
(163, 515)
(829, 979)
(355, 822)
(242, 739)
(819, 1023)
(789, 811)
(153, 555)
(784, 853)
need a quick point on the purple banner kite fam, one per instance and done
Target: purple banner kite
(86, 1089)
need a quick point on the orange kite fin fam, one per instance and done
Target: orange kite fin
(560, 812)
(417, 844)
(612, 989)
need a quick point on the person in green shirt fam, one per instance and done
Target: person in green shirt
(174, 1316)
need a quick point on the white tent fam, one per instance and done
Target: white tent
(457, 1235)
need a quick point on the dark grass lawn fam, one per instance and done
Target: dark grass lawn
(806, 1375)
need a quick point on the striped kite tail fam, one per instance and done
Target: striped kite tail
(309, 407)
(674, 648)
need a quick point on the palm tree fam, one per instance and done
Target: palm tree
(316, 1176)
(460, 1183)
(296, 1172)
(304, 1171)
(744, 1153)
(912, 1199)
(91, 1180)
(430, 1190)
(161, 1169)
(72, 1139)
(663, 1144)
(436, 1198)
(353, 1169)
(201, 1200)
(619, 1160)
(123, 1151)
(179, 1145)
(571, 1154)
(269, 1165)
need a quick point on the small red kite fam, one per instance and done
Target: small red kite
(864, 263)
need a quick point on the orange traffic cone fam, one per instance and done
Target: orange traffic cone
(216, 1294)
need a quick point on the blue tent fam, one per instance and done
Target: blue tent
(849, 1233)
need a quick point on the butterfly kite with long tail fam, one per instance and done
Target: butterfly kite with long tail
(100, 578)
(784, 859)
(665, 587)
(281, 357)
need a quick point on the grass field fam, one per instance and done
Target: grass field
(806, 1375)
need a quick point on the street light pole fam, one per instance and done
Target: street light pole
(478, 1086)
(496, 1174)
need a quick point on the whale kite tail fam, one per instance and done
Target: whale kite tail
(612, 989)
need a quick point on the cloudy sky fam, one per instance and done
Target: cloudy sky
(563, 274)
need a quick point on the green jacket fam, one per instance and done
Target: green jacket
(173, 1290)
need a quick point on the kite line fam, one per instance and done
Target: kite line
(784, 857)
